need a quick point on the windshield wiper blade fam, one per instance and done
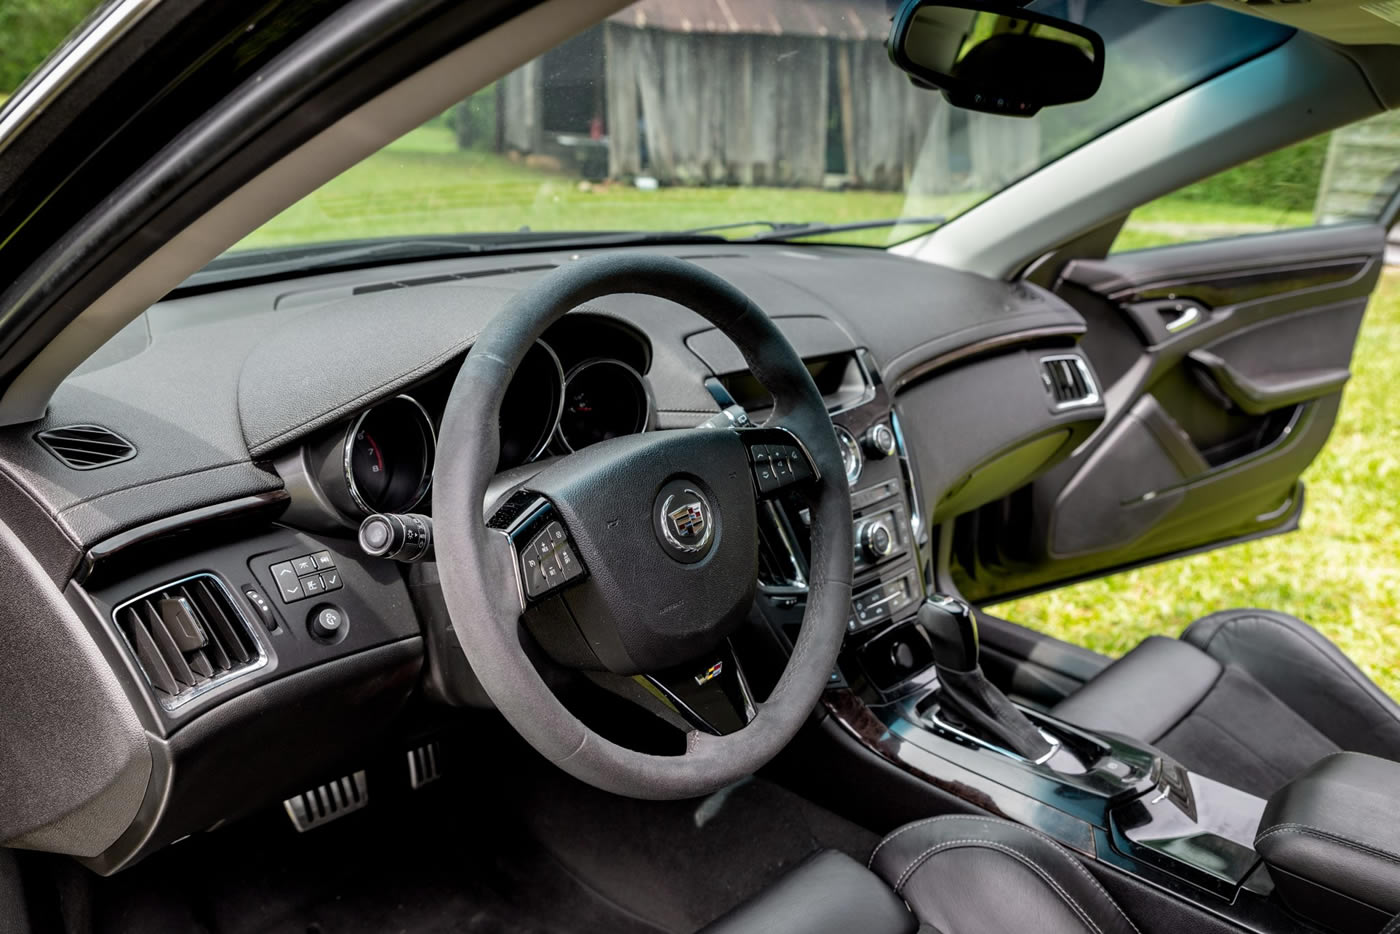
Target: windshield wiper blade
(735, 225)
(798, 231)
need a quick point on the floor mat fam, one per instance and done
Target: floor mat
(539, 853)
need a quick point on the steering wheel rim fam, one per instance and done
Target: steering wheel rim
(475, 560)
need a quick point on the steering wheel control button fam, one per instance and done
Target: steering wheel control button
(288, 584)
(684, 521)
(777, 459)
(328, 623)
(547, 558)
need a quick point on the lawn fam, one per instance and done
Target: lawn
(1340, 571)
(423, 184)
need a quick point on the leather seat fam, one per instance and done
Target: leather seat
(1250, 698)
(956, 875)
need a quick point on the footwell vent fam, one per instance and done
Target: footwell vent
(424, 764)
(325, 803)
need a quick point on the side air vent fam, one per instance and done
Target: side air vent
(86, 447)
(188, 637)
(1068, 380)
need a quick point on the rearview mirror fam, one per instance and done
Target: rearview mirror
(1013, 62)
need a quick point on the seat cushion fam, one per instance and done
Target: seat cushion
(828, 894)
(976, 875)
(1146, 692)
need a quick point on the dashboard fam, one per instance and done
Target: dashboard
(580, 383)
(268, 421)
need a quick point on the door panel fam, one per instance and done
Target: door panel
(1224, 364)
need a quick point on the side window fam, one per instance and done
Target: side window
(1346, 175)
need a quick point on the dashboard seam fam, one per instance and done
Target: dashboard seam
(153, 482)
(276, 438)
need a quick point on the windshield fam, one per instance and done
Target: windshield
(743, 114)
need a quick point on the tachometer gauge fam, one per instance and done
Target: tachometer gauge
(389, 456)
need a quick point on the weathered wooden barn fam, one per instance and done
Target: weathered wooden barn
(754, 92)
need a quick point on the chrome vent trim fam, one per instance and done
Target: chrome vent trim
(177, 666)
(1068, 381)
(86, 447)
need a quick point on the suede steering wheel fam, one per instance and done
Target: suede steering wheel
(636, 557)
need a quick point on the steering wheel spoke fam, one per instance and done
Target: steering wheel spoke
(712, 695)
(778, 458)
(546, 557)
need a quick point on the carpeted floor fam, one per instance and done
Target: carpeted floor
(538, 852)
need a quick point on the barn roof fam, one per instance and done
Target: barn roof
(840, 19)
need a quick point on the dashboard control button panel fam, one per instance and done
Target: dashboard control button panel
(881, 601)
(305, 576)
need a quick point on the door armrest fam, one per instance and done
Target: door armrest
(1257, 395)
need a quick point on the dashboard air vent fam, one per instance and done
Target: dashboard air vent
(188, 637)
(86, 447)
(1068, 380)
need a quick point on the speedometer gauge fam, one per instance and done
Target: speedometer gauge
(389, 456)
(602, 399)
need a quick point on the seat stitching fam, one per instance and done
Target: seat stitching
(1032, 831)
(1331, 836)
(1015, 854)
(870, 863)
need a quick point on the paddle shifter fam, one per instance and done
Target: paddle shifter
(965, 691)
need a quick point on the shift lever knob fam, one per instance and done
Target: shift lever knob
(953, 630)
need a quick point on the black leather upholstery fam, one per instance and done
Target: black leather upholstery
(828, 894)
(1331, 838)
(1152, 688)
(964, 874)
(1282, 697)
(958, 874)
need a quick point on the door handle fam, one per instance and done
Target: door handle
(1189, 315)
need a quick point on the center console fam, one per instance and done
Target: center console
(909, 689)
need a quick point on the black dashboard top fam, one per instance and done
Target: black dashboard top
(210, 387)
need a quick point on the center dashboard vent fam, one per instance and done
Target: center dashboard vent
(1068, 380)
(86, 447)
(188, 637)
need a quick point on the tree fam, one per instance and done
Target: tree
(31, 30)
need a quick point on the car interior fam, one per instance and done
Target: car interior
(635, 581)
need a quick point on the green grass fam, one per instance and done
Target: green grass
(423, 183)
(1340, 571)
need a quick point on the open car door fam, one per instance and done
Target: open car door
(1223, 365)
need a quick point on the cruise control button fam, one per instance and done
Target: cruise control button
(313, 585)
(567, 562)
(304, 565)
(542, 544)
(534, 575)
(287, 583)
(324, 560)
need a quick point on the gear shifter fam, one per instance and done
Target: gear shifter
(965, 690)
